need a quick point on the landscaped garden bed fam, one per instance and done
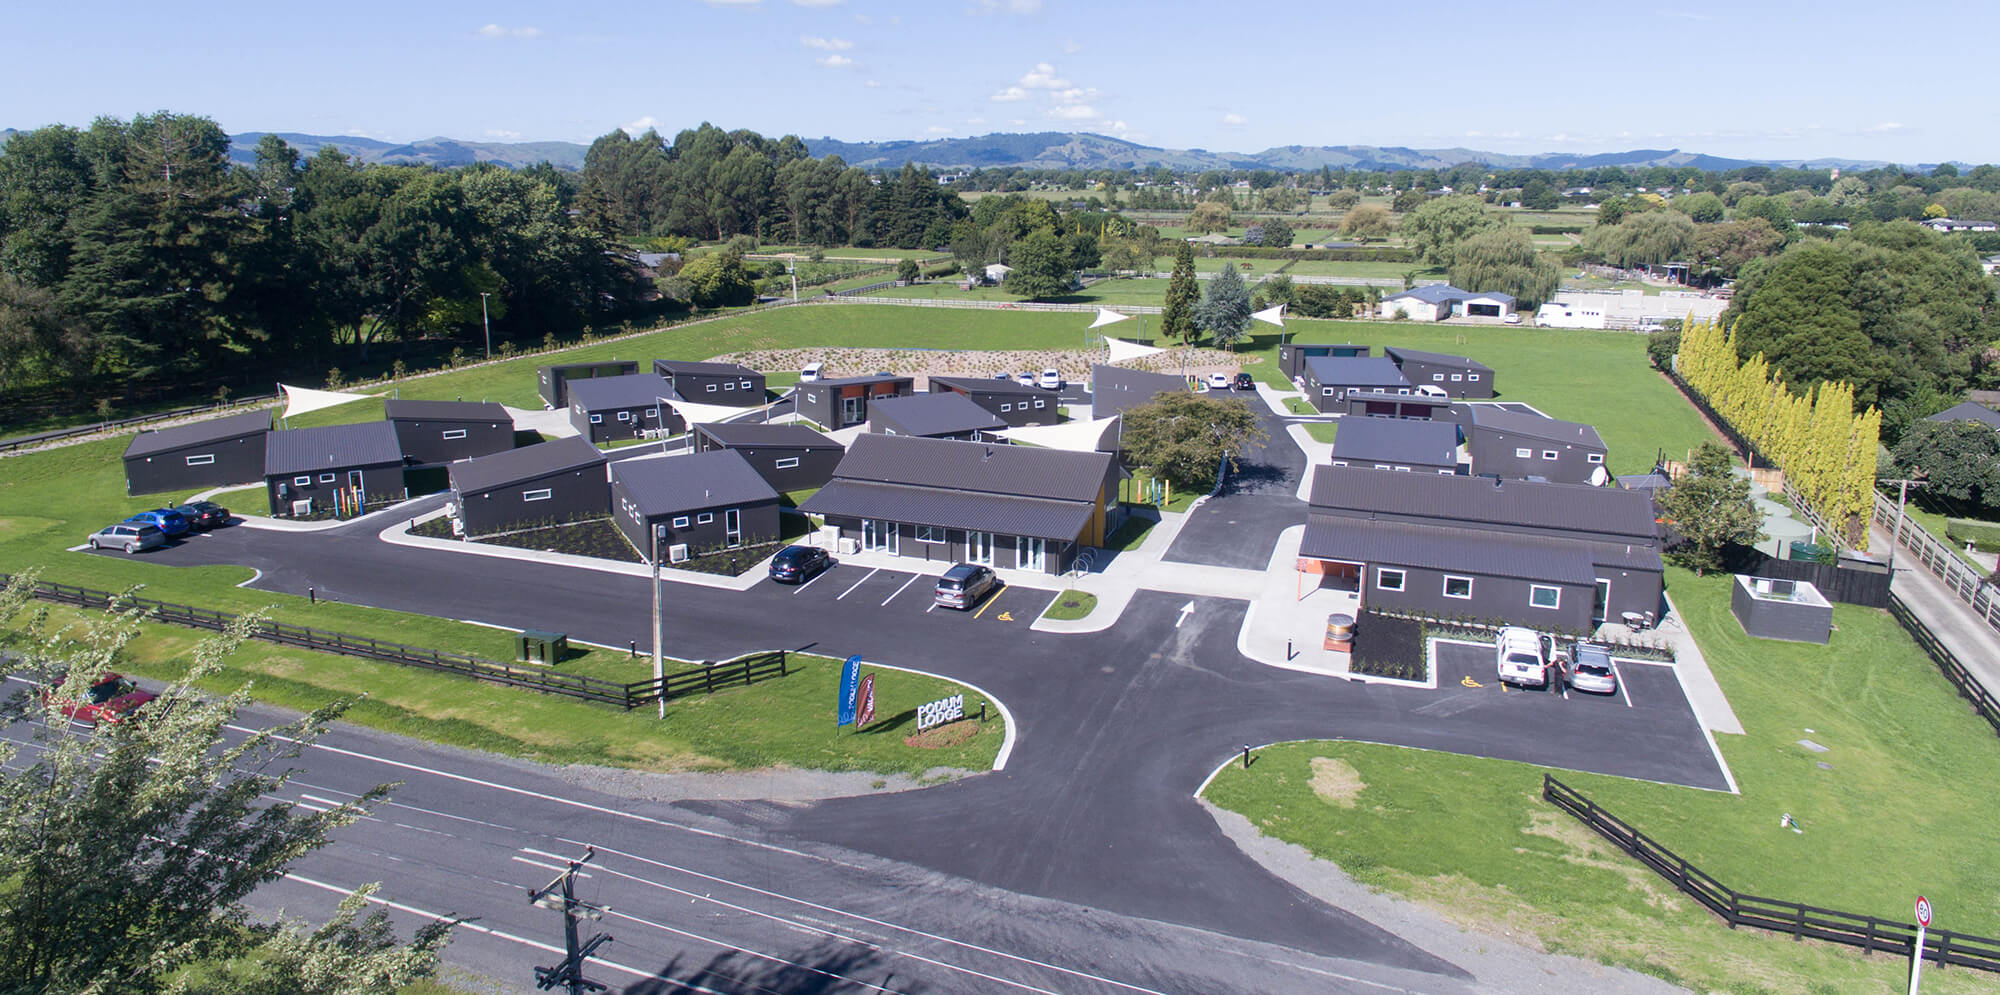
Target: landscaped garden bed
(1387, 646)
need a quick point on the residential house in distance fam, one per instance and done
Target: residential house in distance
(1329, 378)
(702, 501)
(713, 383)
(1113, 389)
(1439, 301)
(1411, 446)
(1292, 356)
(449, 431)
(1517, 444)
(227, 450)
(1549, 556)
(944, 415)
(303, 467)
(553, 380)
(1395, 404)
(613, 409)
(1968, 411)
(788, 457)
(559, 481)
(1016, 403)
(1017, 507)
(1958, 224)
(1455, 375)
(836, 404)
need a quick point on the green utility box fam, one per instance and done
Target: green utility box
(537, 646)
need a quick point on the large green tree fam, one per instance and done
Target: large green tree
(1224, 311)
(1183, 293)
(1185, 437)
(1642, 239)
(1505, 260)
(1367, 221)
(1710, 509)
(1040, 264)
(1437, 227)
(1959, 460)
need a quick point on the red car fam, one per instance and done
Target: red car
(113, 698)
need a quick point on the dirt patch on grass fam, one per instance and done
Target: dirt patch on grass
(1336, 781)
(1588, 849)
(941, 737)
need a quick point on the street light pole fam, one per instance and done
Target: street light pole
(486, 324)
(1902, 498)
(659, 669)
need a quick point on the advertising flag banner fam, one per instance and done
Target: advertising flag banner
(850, 683)
(867, 713)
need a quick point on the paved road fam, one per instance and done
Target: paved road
(1239, 526)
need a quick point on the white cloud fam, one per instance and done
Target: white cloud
(817, 3)
(1884, 128)
(975, 121)
(501, 133)
(641, 126)
(1009, 95)
(1234, 120)
(1018, 122)
(938, 129)
(1077, 95)
(502, 31)
(1009, 7)
(863, 19)
(1074, 112)
(873, 84)
(826, 44)
(837, 62)
(733, 3)
(1043, 77)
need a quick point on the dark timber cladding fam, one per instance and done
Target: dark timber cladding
(943, 415)
(1329, 378)
(713, 383)
(228, 450)
(1114, 389)
(1292, 356)
(610, 409)
(557, 481)
(704, 501)
(1017, 404)
(839, 403)
(1459, 376)
(554, 379)
(1513, 444)
(788, 457)
(312, 463)
(1016, 507)
(1539, 554)
(448, 431)
(1393, 404)
(1397, 444)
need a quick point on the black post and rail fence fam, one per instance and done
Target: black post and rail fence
(1871, 933)
(699, 679)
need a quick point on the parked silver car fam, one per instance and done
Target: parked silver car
(132, 537)
(1590, 670)
(964, 585)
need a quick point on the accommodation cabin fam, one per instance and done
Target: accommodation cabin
(836, 404)
(788, 457)
(1455, 375)
(694, 503)
(552, 380)
(1016, 403)
(1516, 444)
(713, 383)
(1113, 389)
(613, 409)
(944, 415)
(1330, 378)
(549, 482)
(304, 467)
(449, 431)
(226, 450)
(1411, 446)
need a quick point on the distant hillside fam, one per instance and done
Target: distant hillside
(429, 152)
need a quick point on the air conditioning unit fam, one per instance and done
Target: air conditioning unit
(302, 507)
(677, 553)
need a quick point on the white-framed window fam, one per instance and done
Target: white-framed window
(1593, 457)
(1457, 587)
(202, 460)
(1340, 462)
(1544, 596)
(1447, 473)
(704, 518)
(1550, 454)
(1388, 580)
(305, 481)
(1402, 469)
(453, 433)
(731, 385)
(1472, 377)
(1381, 466)
(538, 495)
(786, 463)
(624, 416)
(1328, 391)
(597, 419)
(747, 385)
(1524, 454)
(327, 478)
(1402, 390)
(680, 521)
(1006, 407)
(1438, 377)
(927, 533)
(711, 388)
(1456, 377)
(1041, 404)
(652, 412)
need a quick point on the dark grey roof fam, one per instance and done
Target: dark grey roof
(331, 448)
(227, 427)
(1491, 295)
(633, 390)
(1048, 518)
(705, 369)
(631, 363)
(1399, 355)
(1396, 440)
(673, 484)
(854, 381)
(1321, 348)
(1534, 426)
(1412, 397)
(483, 473)
(986, 468)
(990, 385)
(1435, 293)
(1478, 501)
(943, 413)
(1645, 482)
(1113, 389)
(1968, 411)
(758, 434)
(1355, 371)
(486, 411)
(1472, 551)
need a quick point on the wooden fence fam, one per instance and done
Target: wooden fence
(24, 441)
(1870, 933)
(1983, 703)
(699, 679)
(1943, 562)
(1843, 584)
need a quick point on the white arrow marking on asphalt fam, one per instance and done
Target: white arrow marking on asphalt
(1186, 610)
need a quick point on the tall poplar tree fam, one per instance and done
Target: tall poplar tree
(1183, 294)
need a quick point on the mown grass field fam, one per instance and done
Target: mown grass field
(1107, 293)
(1900, 809)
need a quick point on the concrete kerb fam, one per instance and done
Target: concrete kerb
(399, 534)
(400, 509)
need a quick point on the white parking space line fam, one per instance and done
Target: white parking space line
(858, 583)
(1621, 684)
(814, 580)
(932, 608)
(905, 587)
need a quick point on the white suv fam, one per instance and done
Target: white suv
(1518, 657)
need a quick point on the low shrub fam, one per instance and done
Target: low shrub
(1984, 536)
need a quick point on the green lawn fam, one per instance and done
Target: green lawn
(1323, 431)
(1131, 534)
(1134, 489)
(1931, 514)
(1071, 605)
(1363, 268)
(1106, 293)
(1897, 811)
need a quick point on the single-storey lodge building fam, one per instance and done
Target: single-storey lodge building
(449, 431)
(559, 481)
(553, 379)
(612, 409)
(943, 415)
(713, 383)
(1113, 389)
(1515, 444)
(1016, 403)
(1395, 404)
(1455, 375)
(1292, 356)
(303, 467)
(1329, 378)
(838, 403)
(701, 501)
(788, 457)
(227, 450)
(1411, 446)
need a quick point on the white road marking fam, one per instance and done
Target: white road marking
(814, 580)
(858, 583)
(1186, 610)
(1621, 684)
(774, 958)
(558, 868)
(906, 584)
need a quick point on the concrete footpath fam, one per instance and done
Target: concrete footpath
(1961, 630)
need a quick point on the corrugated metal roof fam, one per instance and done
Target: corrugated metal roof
(1534, 426)
(1435, 293)
(1399, 355)
(1472, 551)
(483, 473)
(1005, 514)
(331, 448)
(1476, 501)
(1392, 440)
(705, 369)
(945, 413)
(227, 427)
(633, 390)
(989, 385)
(979, 467)
(1968, 411)
(1114, 389)
(1355, 371)
(486, 411)
(860, 381)
(672, 484)
(761, 434)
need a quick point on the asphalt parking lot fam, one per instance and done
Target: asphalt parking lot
(900, 596)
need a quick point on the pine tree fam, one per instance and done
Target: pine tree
(1183, 293)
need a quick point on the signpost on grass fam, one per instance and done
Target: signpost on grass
(1917, 950)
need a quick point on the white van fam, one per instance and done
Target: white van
(811, 372)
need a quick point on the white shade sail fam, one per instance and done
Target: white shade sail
(1106, 316)
(1122, 350)
(1274, 315)
(299, 400)
(1075, 436)
(703, 414)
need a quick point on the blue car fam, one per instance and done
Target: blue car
(171, 522)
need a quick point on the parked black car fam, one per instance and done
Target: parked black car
(1243, 381)
(204, 515)
(798, 564)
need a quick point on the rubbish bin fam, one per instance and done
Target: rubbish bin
(1339, 633)
(539, 646)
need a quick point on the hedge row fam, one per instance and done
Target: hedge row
(1984, 536)
(1383, 254)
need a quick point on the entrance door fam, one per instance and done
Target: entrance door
(1029, 553)
(979, 548)
(853, 410)
(354, 480)
(1603, 599)
(878, 536)
(732, 526)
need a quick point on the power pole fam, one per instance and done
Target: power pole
(560, 894)
(486, 324)
(1902, 498)
(659, 667)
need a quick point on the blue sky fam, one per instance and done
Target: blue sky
(1750, 79)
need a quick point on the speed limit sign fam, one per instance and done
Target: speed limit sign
(1923, 911)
